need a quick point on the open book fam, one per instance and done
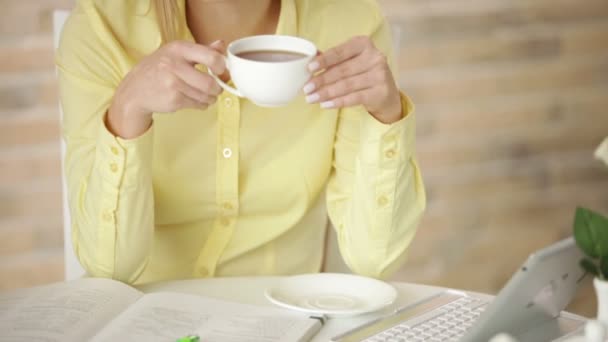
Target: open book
(107, 310)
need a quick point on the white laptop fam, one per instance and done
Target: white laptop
(529, 307)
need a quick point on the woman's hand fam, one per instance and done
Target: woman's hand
(165, 81)
(355, 73)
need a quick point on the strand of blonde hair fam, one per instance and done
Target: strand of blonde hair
(166, 13)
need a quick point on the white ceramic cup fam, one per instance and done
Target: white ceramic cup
(268, 83)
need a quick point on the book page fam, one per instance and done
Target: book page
(72, 311)
(169, 316)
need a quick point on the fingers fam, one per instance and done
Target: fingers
(350, 68)
(354, 73)
(199, 54)
(341, 88)
(199, 80)
(341, 53)
(187, 102)
(220, 46)
(184, 95)
(351, 99)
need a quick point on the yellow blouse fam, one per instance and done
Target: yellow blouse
(235, 189)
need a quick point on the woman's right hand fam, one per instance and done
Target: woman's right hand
(165, 81)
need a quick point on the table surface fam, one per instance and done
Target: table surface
(251, 291)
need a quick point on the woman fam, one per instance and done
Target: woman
(210, 184)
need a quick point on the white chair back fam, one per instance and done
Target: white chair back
(73, 269)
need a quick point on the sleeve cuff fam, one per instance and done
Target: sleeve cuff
(124, 162)
(602, 152)
(387, 144)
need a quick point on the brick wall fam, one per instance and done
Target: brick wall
(31, 238)
(511, 100)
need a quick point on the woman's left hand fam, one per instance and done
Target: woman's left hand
(355, 73)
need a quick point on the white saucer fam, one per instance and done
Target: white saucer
(332, 294)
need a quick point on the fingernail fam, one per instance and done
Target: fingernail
(313, 66)
(312, 98)
(327, 104)
(309, 87)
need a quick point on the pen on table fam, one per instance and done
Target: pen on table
(189, 338)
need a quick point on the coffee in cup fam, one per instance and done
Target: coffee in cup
(269, 70)
(271, 55)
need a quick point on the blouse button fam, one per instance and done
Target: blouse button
(390, 154)
(382, 201)
(114, 167)
(227, 153)
(228, 102)
(107, 216)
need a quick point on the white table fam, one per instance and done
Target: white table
(250, 290)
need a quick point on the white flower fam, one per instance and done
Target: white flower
(602, 152)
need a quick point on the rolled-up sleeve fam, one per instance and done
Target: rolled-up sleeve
(109, 200)
(375, 194)
(109, 179)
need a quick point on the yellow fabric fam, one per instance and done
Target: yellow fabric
(236, 189)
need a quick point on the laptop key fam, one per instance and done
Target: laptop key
(445, 323)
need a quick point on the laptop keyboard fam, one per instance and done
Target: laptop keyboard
(446, 323)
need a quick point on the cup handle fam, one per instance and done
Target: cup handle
(223, 84)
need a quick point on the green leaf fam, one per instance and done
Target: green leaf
(589, 267)
(591, 232)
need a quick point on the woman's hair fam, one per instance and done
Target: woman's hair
(166, 13)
